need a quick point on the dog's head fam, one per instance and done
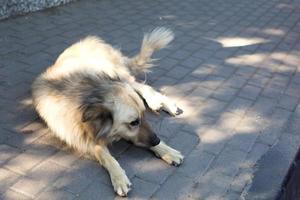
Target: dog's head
(118, 113)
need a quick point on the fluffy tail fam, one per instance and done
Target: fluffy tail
(155, 40)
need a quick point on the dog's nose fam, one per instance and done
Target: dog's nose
(154, 140)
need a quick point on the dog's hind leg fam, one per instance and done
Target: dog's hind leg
(168, 154)
(155, 100)
(118, 176)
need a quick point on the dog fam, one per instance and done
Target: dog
(90, 97)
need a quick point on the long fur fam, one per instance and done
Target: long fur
(157, 39)
(89, 98)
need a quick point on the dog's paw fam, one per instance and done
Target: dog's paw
(121, 184)
(173, 157)
(172, 109)
(168, 154)
(155, 106)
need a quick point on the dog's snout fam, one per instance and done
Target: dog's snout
(154, 140)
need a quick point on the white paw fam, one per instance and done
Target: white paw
(168, 154)
(121, 183)
(172, 108)
(155, 106)
(173, 157)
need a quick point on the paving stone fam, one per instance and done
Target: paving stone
(132, 160)
(90, 168)
(240, 181)
(117, 148)
(288, 102)
(212, 107)
(225, 71)
(178, 72)
(236, 81)
(259, 80)
(231, 196)
(213, 140)
(23, 141)
(142, 189)
(202, 72)
(167, 127)
(37, 179)
(182, 88)
(212, 82)
(229, 122)
(162, 81)
(239, 106)
(74, 182)
(12, 195)
(25, 161)
(199, 94)
(168, 63)
(154, 170)
(184, 142)
(172, 187)
(198, 125)
(7, 153)
(264, 106)
(225, 93)
(192, 62)
(53, 193)
(257, 151)
(246, 71)
(293, 125)
(7, 179)
(273, 92)
(250, 92)
(219, 184)
(180, 54)
(97, 190)
(228, 162)
(245, 133)
(196, 163)
(270, 134)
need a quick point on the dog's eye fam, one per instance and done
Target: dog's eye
(136, 122)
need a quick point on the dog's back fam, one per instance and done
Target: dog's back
(90, 54)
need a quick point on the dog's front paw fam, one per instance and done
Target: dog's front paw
(155, 106)
(168, 154)
(172, 109)
(173, 157)
(121, 183)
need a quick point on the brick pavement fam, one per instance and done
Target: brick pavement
(233, 68)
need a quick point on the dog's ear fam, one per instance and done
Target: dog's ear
(102, 115)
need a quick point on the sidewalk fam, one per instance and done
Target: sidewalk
(233, 68)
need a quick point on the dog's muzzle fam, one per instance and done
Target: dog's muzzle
(154, 140)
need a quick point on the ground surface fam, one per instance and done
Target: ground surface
(233, 68)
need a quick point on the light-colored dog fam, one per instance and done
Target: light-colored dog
(89, 98)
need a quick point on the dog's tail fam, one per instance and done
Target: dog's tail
(155, 40)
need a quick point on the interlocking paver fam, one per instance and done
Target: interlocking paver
(7, 179)
(172, 187)
(232, 68)
(7, 153)
(54, 193)
(38, 179)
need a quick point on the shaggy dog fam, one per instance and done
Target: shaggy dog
(90, 98)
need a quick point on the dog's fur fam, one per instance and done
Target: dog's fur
(89, 98)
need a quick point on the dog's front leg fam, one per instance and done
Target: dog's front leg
(118, 176)
(168, 154)
(155, 100)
